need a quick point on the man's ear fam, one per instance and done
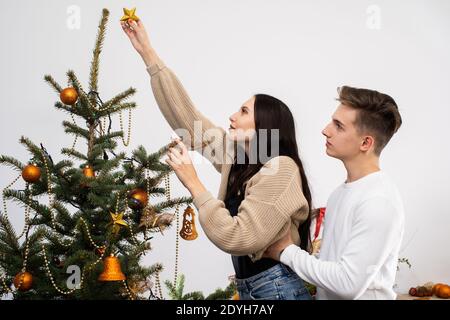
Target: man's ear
(367, 143)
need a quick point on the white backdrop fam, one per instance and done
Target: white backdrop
(224, 52)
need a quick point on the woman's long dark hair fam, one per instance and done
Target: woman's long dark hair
(271, 113)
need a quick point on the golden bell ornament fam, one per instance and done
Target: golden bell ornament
(88, 172)
(23, 281)
(188, 231)
(69, 96)
(31, 173)
(111, 270)
(138, 199)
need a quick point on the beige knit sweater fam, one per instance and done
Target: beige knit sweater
(273, 202)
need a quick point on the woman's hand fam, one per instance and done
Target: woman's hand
(181, 163)
(137, 34)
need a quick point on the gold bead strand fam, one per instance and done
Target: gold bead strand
(129, 128)
(167, 186)
(49, 191)
(158, 286)
(147, 180)
(25, 260)
(5, 209)
(27, 212)
(128, 290)
(52, 280)
(52, 201)
(7, 289)
(89, 235)
(76, 135)
(177, 243)
(133, 235)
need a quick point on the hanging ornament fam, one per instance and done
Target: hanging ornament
(137, 199)
(117, 222)
(58, 263)
(188, 231)
(129, 14)
(69, 96)
(23, 281)
(100, 251)
(31, 173)
(111, 270)
(88, 171)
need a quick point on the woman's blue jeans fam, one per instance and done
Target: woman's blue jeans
(276, 283)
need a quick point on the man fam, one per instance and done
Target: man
(364, 221)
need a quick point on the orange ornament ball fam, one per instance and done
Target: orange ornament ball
(69, 96)
(436, 287)
(31, 173)
(138, 199)
(23, 281)
(443, 292)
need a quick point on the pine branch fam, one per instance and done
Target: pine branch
(172, 290)
(72, 128)
(62, 164)
(64, 217)
(11, 162)
(107, 137)
(118, 99)
(35, 239)
(53, 83)
(195, 295)
(156, 268)
(97, 201)
(154, 157)
(140, 154)
(221, 294)
(69, 109)
(93, 78)
(72, 153)
(32, 148)
(7, 233)
(180, 286)
(111, 164)
(172, 203)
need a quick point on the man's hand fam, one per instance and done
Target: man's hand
(275, 249)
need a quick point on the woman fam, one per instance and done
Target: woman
(259, 199)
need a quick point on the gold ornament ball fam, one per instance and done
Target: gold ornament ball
(23, 281)
(140, 197)
(69, 96)
(31, 173)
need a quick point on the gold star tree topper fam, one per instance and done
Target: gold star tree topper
(117, 221)
(129, 14)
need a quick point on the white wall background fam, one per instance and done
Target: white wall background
(224, 51)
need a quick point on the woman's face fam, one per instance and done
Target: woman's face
(242, 122)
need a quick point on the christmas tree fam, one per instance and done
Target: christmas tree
(87, 240)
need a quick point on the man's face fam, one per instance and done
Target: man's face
(343, 142)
